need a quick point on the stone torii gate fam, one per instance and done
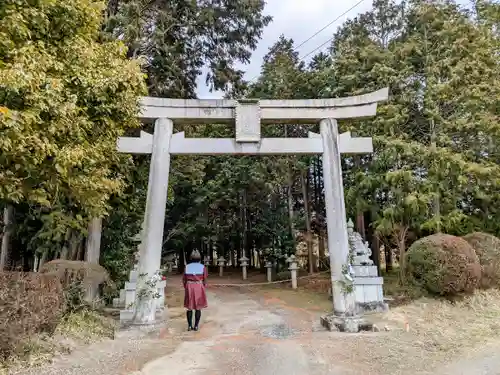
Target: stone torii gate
(248, 115)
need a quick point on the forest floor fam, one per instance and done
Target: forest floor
(268, 330)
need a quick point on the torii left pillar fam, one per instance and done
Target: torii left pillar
(152, 241)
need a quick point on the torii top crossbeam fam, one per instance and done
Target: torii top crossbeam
(248, 115)
(297, 111)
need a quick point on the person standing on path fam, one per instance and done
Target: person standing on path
(195, 297)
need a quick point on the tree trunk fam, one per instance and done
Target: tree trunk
(401, 242)
(388, 256)
(65, 250)
(80, 253)
(305, 197)
(8, 219)
(180, 265)
(231, 251)
(376, 253)
(74, 243)
(290, 206)
(42, 260)
(360, 225)
(36, 263)
(244, 248)
(321, 247)
(93, 248)
(93, 252)
(290, 198)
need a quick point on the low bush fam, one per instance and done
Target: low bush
(443, 265)
(29, 303)
(287, 274)
(283, 275)
(487, 248)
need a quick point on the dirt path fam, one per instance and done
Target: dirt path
(240, 336)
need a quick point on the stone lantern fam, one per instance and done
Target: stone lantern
(269, 269)
(244, 263)
(221, 261)
(293, 267)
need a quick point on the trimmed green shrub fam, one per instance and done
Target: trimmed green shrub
(443, 265)
(487, 248)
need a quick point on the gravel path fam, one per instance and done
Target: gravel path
(241, 337)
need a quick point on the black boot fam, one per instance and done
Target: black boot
(197, 317)
(189, 315)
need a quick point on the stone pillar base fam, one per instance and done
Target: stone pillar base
(126, 317)
(138, 331)
(350, 324)
(372, 307)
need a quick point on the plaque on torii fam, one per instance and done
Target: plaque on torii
(247, 116)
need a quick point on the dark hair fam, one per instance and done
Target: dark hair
(195, 256)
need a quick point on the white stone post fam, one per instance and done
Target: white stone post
(338, 244)
(244, 263)
(221, 261)
(293, 267)
(149, 262)
(206, 261)
(269, 269)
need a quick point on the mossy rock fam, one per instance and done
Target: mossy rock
(69, 271)
(443, 265)
(487, 248)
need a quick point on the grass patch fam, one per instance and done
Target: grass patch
(445, 326)
(86, 326)
(304, 299)
(75, 329)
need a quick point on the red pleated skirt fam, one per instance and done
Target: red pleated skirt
(195, 297)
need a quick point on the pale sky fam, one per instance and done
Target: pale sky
(296, 19)
(299, 20)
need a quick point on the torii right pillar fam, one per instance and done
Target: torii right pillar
(344, 317)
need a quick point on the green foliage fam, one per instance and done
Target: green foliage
(435, 166)
(443, 265)
(65, 97)
(487, 248)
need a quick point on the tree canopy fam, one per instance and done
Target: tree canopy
(65, 96)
